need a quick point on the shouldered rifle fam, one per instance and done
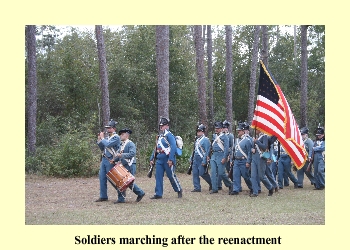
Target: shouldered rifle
(230, 173)
(151, 166)
(192, 157)
(209, 155)
(308, 169)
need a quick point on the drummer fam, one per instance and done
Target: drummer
(126, 155)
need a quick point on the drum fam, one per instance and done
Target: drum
(120, 177)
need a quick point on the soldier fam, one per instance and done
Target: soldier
(126, 154)
(166, 161)
(246, 132)
(308, 144)
(225, 126)
(219, 158)
(258, 167)
(319, 159)
(242, 160)
(269, 172)
(109, 147)
(285, 166)
(201, 151)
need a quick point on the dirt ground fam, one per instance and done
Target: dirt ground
(60, 201)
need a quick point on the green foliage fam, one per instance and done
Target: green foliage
(71, 156)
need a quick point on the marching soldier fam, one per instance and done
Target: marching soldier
(242, 160)
(225, 126)
(109, 147)
(201, 151)
(219, 158)
(308, 144)
(258, 167)
(269, 172)
(127, 156)
(319, 159)
(166, 161)
(285, 167)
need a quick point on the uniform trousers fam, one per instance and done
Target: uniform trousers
(105, 166)
(199, 171)
(161, 167)
(240, 169)
(319, 170)
(302, 171)
(258, 169)
(218, 171)
(284, 166)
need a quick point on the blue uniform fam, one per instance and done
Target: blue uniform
(242, 155)
(319, 163)
(285, 167)
(269, 172)
(128, 159)
(109, 146)
(166, 147)
(308, 144)
(201, 151)
(227, 164)
(220, 147)
(258, 166)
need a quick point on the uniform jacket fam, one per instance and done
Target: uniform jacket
(245, 145)
(128, 151)
(224, 141)
(167, 142)
(111, 142)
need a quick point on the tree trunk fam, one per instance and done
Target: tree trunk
(253, 67)
(265, 45)
(303, 77)
(31, 89)
(295, 44)
(101, 50)
(210, 75)
(162, 51)
(229, 61)
(202, 103)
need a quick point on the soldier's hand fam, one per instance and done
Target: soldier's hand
(102, 135)
(170, 163)
(223, 160)
(247, 165)
(151, 162)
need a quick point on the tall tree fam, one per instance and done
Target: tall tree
(202, 103)
(295, 44)
(31, 88)
(162, 51)
(303, 77)
(229, 60)
(210, 75)
(253, 67)
(265, 45)
(101, 49)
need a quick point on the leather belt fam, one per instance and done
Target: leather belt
(240, 158)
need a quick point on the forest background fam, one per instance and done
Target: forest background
(69, 94)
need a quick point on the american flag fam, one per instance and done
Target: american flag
(273, 116)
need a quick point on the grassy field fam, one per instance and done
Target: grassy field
(53, 201)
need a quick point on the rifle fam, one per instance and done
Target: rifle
(308, 169)
(209, 155)
(230, 175)
(192, 157)
(151, 166)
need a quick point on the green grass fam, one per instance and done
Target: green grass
(53, 201)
